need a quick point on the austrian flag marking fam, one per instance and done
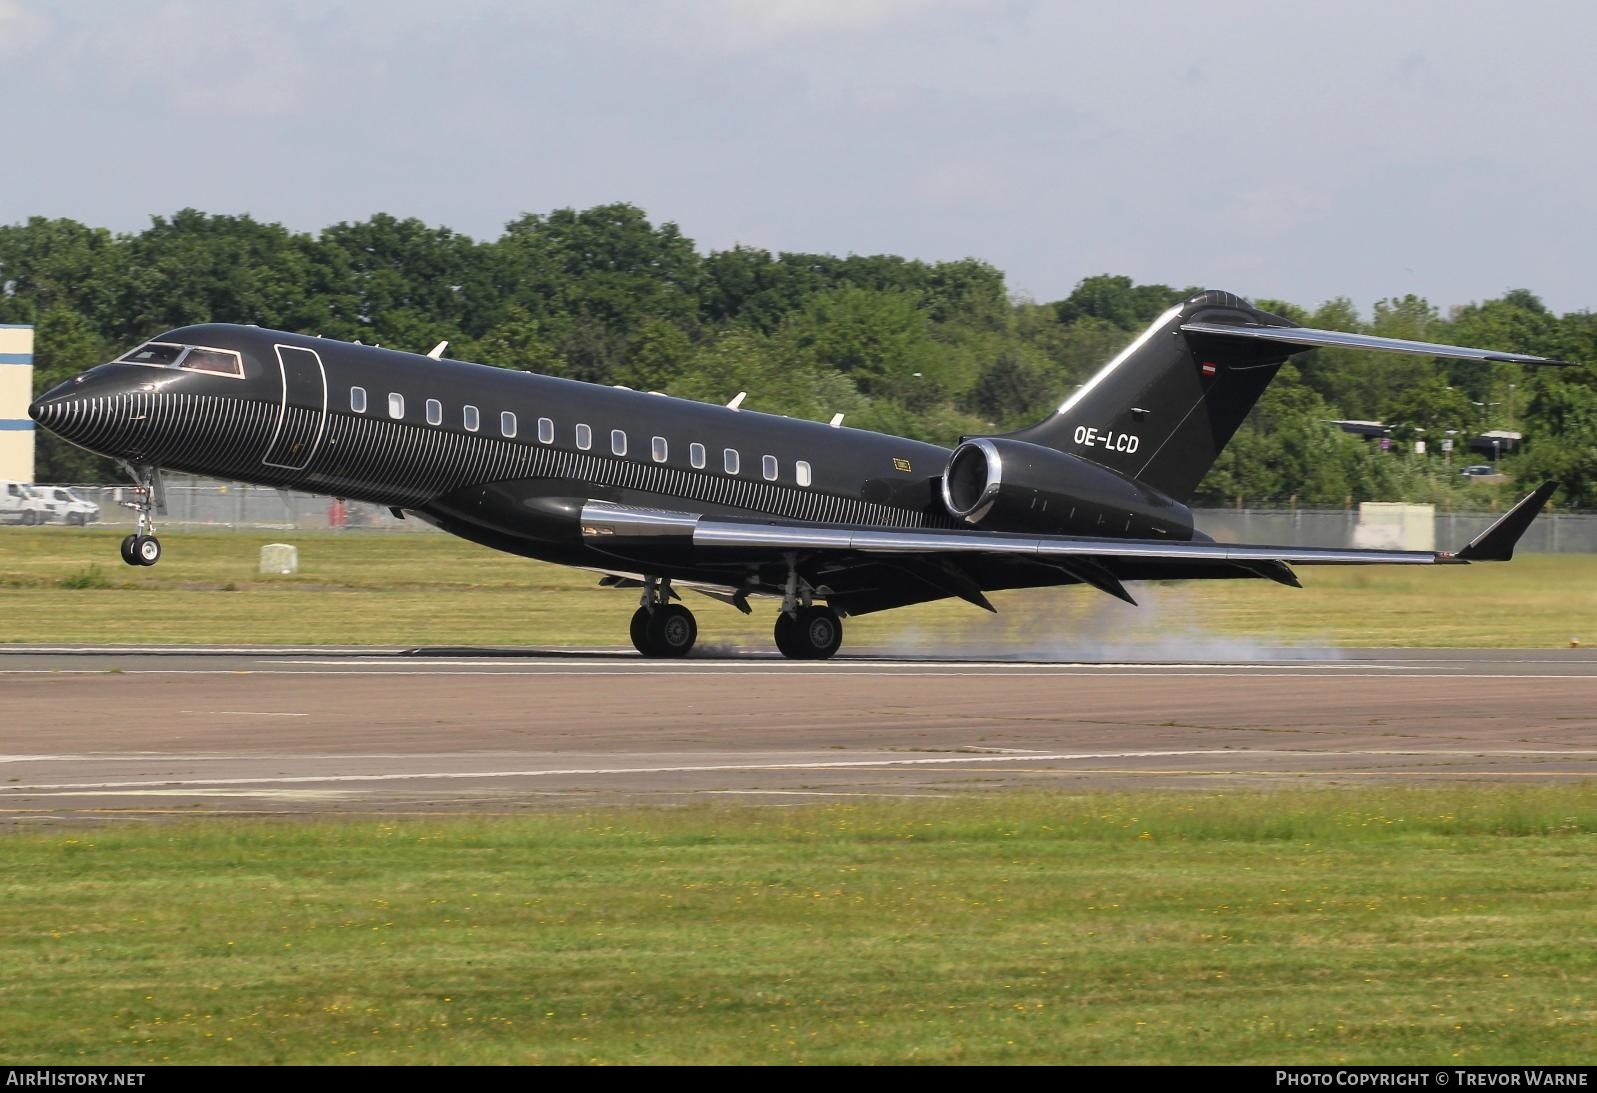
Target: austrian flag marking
(1209, 368)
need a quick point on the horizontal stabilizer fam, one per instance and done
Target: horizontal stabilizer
(1306, 338)
(1496, 543)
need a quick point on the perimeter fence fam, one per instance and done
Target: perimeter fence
(208, 503)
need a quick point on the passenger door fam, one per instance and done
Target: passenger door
(302, 415)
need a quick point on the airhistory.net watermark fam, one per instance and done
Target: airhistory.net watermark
(44, 1077)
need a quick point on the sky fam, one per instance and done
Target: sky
(1289, 151)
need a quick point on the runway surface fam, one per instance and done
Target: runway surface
(114, 734)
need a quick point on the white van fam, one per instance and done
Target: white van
(66, 506)
(19, 504)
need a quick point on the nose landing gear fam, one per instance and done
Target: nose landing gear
(142, 547)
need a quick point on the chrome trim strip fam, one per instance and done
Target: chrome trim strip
(714, 533)
(601, 519)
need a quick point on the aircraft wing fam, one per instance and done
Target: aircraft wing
(1101, 562)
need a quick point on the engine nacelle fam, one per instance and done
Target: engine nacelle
(1010, 485)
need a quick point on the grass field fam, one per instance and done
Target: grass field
(1391, 926)
(68, 585)
(1385, 926)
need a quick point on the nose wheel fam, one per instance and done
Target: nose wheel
(661, 628)
(141, 550)
(142, 547)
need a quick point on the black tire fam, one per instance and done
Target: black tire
(819, 632)
(672, 631)
(30, 518)
(787, 642)
(640, 631)
(127, 550)
(147, 549)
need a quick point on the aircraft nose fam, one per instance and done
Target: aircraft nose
(105, 409)
(49, 408)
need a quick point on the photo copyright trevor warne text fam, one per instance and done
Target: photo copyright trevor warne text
(1434, 1077)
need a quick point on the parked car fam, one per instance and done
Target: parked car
(20, 505)
(1479, 470)
(66, 506)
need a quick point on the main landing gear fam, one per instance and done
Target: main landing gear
(812, 633)
(805, 630)
(661, 628)
(142, 547)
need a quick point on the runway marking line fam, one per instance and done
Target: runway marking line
(803, 793)
(1062, 671)
(165, 785)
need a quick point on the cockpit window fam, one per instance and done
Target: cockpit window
(223, 362)
(220, 362)
(153, 353)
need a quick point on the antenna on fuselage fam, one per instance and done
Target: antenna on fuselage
(837, 420)
(737, 400)
(437, 352)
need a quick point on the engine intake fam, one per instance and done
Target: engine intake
(1010, 485)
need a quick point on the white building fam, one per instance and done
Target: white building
(16, 391)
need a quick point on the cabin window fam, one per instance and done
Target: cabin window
(435, 412)
(469, 418)
(584, 437)
(768, 467)
(357, 399)
(618, 442)
(396, 405)
(507, 423)
(729, 460)
(801, 471)
(546, 430)
(221, 362)
(696, 456)
(657, 449)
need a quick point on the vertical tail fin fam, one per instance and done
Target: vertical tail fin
(1162, 411)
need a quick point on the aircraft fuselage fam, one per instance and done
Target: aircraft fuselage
(731, 501)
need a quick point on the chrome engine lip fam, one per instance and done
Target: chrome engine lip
(993, 463)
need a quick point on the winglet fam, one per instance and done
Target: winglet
(1496, 543)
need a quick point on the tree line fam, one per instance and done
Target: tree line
(932, 350)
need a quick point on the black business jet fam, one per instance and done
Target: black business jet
(658, 493)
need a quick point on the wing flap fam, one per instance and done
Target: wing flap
(726, 533)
